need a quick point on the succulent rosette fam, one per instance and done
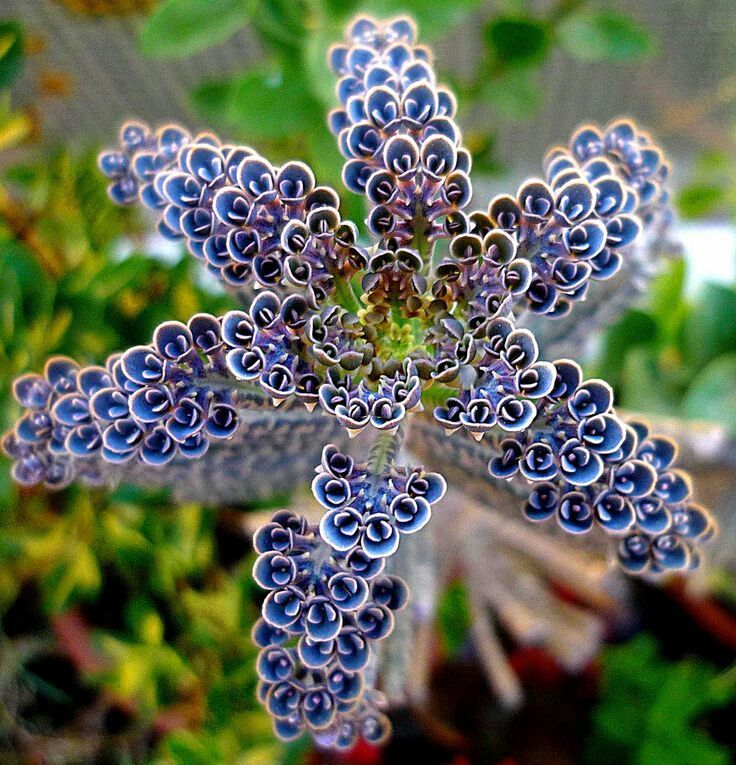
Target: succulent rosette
(347, 333)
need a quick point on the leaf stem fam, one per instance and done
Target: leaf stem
(345, 295)
(385, 450)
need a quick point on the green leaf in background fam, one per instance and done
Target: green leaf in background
(433, 19)
(712, 396)
(711, 329)
(453, 616)
(636, 328)
(261, 98)
(667, 300)
(326, 162)
(712, 188)
(255, 103)
(11, 51)
(320, 79)
(179, 28)
(484, 148)
(643, 387)
(515, 93)
(700, 199)
(604, 36)
(650, 709)
(295, 752)
(340, 9)
(517, 40)
(212, 100)
(281, 23)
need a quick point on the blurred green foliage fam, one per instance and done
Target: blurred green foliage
(651, 710)
(675, 356)
(65, 288)
(604, 36)
(125, 619)
(11, 51)
(711, 191)
(279, 105)
(150, 605)
(157, 598)
(180, 28)
(453, 617)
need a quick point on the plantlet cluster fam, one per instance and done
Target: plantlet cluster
(365, 335)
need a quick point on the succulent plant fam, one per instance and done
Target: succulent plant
(364, 335)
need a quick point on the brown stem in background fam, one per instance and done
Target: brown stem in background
(22, 225)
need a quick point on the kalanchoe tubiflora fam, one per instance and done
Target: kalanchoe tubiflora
(396, 128)
(359, 333)
(250, 222)
(324, 610)
(369, 511)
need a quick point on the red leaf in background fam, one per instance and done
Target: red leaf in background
(75, 641)
(707, 613)
(535, 666)
(363, 753)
